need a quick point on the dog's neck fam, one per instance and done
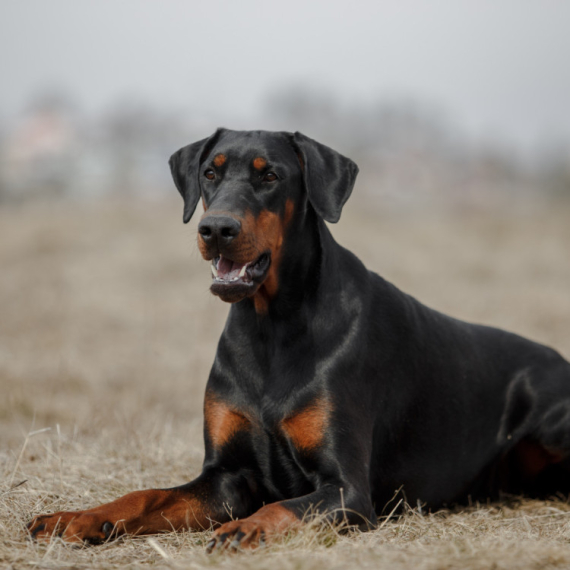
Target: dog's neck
(318, 280)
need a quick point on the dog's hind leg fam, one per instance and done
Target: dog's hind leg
(537, 419)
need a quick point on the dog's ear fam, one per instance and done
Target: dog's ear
(185, 169)
(329, 176)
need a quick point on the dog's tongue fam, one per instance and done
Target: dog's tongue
(228, 269)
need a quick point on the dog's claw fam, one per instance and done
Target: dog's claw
(221, 541)
(107, 529)
(210, 545)
(235, 543)
(39, 528)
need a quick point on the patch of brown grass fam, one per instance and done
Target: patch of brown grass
(107, 333)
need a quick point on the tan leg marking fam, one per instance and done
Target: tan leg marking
(141, 512)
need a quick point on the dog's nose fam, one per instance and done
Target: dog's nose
(220, 229)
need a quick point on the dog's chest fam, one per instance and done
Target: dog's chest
(277, 436)
(304, 427)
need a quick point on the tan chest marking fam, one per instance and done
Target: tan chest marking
(222, 422)
(307, 428)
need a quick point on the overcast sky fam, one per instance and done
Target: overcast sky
(497, 68)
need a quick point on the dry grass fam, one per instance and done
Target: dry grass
(107, 333)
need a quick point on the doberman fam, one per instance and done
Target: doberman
(331, 389)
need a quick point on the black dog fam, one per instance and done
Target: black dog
(331, 389)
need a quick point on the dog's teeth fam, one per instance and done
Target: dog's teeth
(214, 271)
(234, 278)
(242, 271)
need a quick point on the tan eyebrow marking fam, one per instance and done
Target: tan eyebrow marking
(259, 163)
(219, 159)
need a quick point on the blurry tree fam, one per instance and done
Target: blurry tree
(137, 141)
(39, 154)
(411, 155)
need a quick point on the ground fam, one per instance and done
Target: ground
(107, 333)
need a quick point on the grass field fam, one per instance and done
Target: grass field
(107, 333)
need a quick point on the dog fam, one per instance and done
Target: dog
(331, 389)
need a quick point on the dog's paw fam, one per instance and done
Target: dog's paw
(73, 527)
(243, 533)
(253, 531)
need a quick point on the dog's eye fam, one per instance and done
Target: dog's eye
(270, 177)
(210, 174)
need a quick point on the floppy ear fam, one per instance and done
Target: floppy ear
(329, 176)
(185, 169)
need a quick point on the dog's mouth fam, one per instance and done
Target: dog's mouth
(232, 281)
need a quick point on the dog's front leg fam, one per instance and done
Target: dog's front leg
(197, 506)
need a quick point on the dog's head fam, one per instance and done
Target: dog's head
(253, 185)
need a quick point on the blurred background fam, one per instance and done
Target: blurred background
(456, 112)
(443, 104)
